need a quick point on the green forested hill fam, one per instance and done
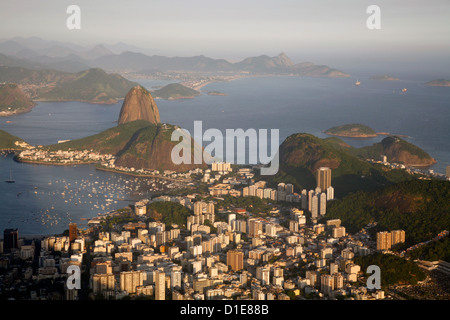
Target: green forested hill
(138, 144)
(302, 154)
(420, 207)
(7, 141)
(92, 85)
(168, 212)
(394, 270)
(397, 150)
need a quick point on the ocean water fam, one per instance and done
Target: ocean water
(312, 105)
(38, 203)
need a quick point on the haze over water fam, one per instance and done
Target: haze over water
(290, 104)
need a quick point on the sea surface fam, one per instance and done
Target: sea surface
(45, 199)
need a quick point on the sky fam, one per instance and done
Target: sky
(321, 31)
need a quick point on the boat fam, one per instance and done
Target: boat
(357, 83)
(11, 180)
(404, 90)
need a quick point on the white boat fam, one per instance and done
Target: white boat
(11, 180)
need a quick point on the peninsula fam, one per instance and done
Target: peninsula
(175, 91)
(438, 83)
(139, 143)
(13, 100)
(384, 77)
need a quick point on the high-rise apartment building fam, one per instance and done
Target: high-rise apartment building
(322, 204)
(323, 178)
(198, 208)
(10, 239)
(304, 197)
(160, 285)
(235, 259)
(384, 240)
(338, 280)
(330, 193)
(326, 284)
(175, 279)
(102, 283)
(129, 280)
(398, 236)
(255, 227)
(289, 188)
(338, 232)
(73, 231)
(314, 206)
(263, 274)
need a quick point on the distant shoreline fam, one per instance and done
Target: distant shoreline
(48, 163)
(16, 112)
(367, 136)
(109, 102)
(143, 175)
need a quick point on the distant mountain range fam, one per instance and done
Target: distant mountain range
(36, 53)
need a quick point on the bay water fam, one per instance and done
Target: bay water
(45, 199)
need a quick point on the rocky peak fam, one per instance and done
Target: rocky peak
(139, 105)
(284, 60)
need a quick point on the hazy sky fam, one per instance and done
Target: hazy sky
(310, 30)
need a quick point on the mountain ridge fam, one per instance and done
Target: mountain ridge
(92, 85)
(67, 57)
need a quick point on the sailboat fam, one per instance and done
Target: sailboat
(10, 178)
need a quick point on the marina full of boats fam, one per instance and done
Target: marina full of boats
(53, 204)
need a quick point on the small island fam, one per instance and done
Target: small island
(354, 130)
(175, 91)
(216, 93)
(438, 83)
(384, 77)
